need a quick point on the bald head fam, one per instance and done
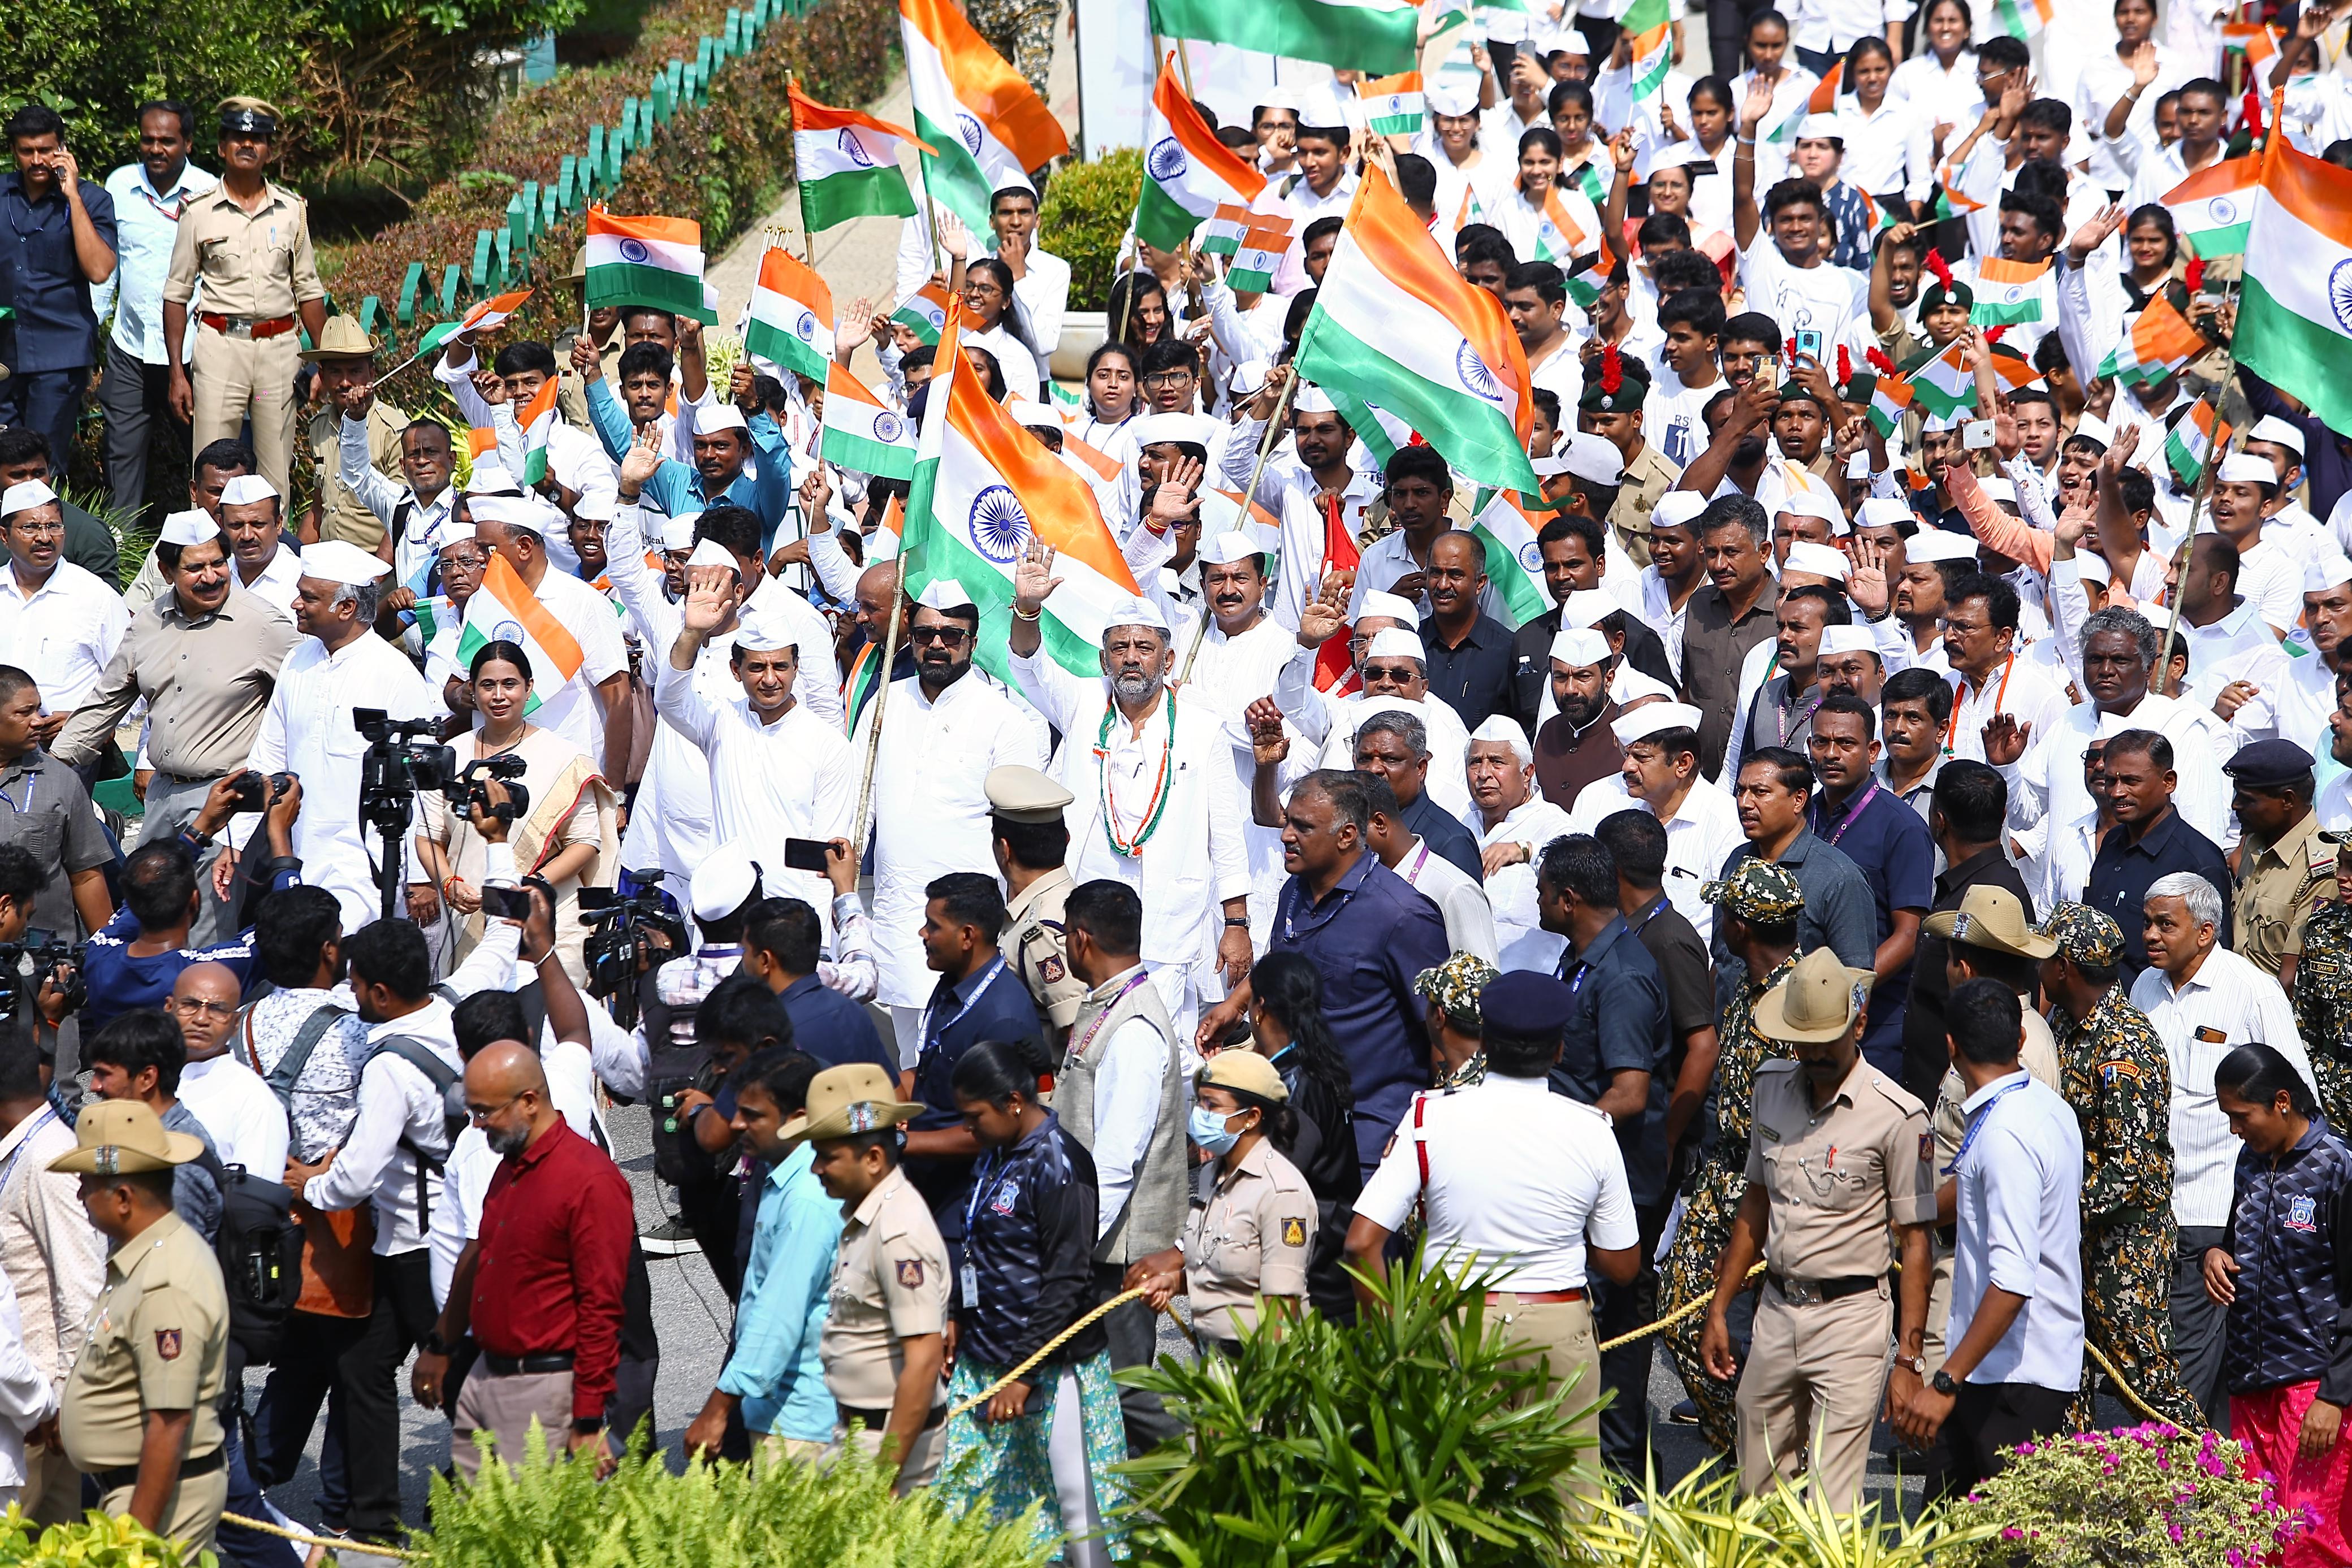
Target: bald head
(506, 1090)
(877, 587)
(204, 1003)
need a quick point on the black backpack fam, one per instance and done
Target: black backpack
(260, 1251)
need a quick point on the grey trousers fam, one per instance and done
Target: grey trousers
(2198, 1322)
(503, 1407)
(172, 804)
(131, 395)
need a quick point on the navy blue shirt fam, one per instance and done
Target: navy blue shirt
(1892, 846)
(1443, 831)
(2121, 871)
(831, 1028)
(1474, 679)
(41, 279)
(1027, 1232)
(990, 1003)
(1368, 938)
(1617, 1023)
(1837, 914)
(118, 982)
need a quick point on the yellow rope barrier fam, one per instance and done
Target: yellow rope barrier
(1697, 1303)
(356, 1548)
(1048, 1348)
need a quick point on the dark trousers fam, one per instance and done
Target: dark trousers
(1600, 39)
(246, 1548)
(714, 1212)
(1817, 61)
(1134, 1333)
(131, 397)
(307, 1371)
(2198, 1321)
(370, 1374)
(1625, 1370)
(1727, 37)
(1987, 1418)
(46, 401)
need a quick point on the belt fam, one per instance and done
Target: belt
(875, 1420)
(126, 1475)
(1533, 1298)
(1803, 1292)
(247, 326)
(526, 1366)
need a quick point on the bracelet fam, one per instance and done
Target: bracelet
(1032, 616)
(1241, 921)
(449, 883)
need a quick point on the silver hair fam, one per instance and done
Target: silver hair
(1405, 727)
(363, 594)
(2131, 623)
(2204, 902)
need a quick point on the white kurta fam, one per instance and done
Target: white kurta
(1700, 836)
(930, 808)
(242, 1113)
(1518, 917)
(1231, 673)
(2048, 780)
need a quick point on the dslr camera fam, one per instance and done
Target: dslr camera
(27, 965)
(256, 793)
(619, 944)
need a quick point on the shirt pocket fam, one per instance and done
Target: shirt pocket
(217, 258)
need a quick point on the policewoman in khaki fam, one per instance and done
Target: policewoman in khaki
(885, 1332)
(1250, 1240)
(1838, 1153)
(142, 1410)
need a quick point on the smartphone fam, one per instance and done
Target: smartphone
(806, 854)
(1808, 344)
(507, 902)
(1977, 435)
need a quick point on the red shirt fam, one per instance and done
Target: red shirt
(551, 1259)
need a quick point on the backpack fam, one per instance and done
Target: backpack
(282, 1077)
(449, 1083)
(260, 1248)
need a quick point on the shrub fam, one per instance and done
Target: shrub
(2145, 1497)
(1704, 1523)
(774, 1514)
(1083, 218)
(96, 1541)
(1405, 1438)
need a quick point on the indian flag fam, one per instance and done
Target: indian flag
(989, 125)
(2194, 439)
(493, 312)
(503, 610)
(538, 421)
(791, 321)
(2011, 293)
(2257, 42)
(434, 615)
(924, 311)
(860, 434)
(1383, 434)
(1950, 201)
(1189, 176)
(1221, 235)
(848, 163)
(1509, 531)
(2211, 208)
(2295, 311)
(1823, 98)
(2023, 18)
(1393, 105)
(1560, 235)
(1262, 247)
(1367, 35)
(1395, 324)
(656, 262)
(2159, 344)
(1890, 399)
(983, 488)
(1650, 24)
(1941, 383)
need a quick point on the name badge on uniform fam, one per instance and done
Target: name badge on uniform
(969, 1277)
(1771, 1135)
(2212, 1036)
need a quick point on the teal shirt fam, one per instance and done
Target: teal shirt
(780, 1317)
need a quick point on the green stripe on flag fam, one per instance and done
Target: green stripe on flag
(883, 459)
(2213, 245)
(1988, 312)
(1376, 40)
(2289, 351)
(1470, 433)
(913, 316)
(1525, 601)
(471, 642)
(856, 194)
(952, 177)
(770, 341)
(935, 555)
(1160, 222)
(621, 283)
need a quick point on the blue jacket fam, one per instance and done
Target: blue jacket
(2291, 1232)
(1030, 1245)
(676, 487)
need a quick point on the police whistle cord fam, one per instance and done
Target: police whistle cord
(344, 1544)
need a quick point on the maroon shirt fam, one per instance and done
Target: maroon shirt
(551, 1259)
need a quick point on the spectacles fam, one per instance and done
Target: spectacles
(197, 1005)
(1167, 381)
(484, 1112)
(945, 636)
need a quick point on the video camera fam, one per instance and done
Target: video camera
(27, 965)
(399, 761)
(620, 941)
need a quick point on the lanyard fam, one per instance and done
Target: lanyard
(1952, 725)
(1977, 1124)
(48, 1114)
(32, 779)
(930, 1034)
(1079, 1051)
(1412, 877)
(980, 1181)
(1851, 813)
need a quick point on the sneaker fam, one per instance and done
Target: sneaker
(670, 1238)
(1684, 1414)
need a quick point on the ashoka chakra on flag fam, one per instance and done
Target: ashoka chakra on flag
(632, 250)
(854, 149)
(888, 426)
(1166, 160)
(1476, 376)
(997, 524)
(2339, 293)
(969, 128)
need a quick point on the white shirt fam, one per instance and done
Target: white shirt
(62, 633)
(2227, 1003)
(1878, 147)
(571, 708)
(397, 1102)
(1127, 1109)
(1658, 611)
(1459, 897)
(146, 226)
(279, 581)
(420, 537)
(1519, 1181)
(2105, 79)
(1230, 673)
(1772, 166)
(26, 1397)
(2048, 778)
(1700, 836)
(2018, 1205)
(1674, 421)
(2019, 688)
(1832, 300)
(1043, 293)
(246, 1120)
(1511, 892)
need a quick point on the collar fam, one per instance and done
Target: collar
(2290, 849)
(1114, 986)
(1253, 1164)
(1844, 1094)
(123, 1260)
(1353, 877)
(14, 184)
(179, 186)
(1485, 631)
(1968, 872)
(169, 608)
(48, 583)
(1799, 847)
(34, 761)
(802, 1158)
(1591, 956)
(1504, 1084)
(969, 986)
(538, 1149)
(271, 195)
(2154, 842)
(870, 1206)
(1984, 1096)
(806, 985)
(1059, 877)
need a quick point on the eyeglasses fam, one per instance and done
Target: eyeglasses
(1167, 381)
(199, 1007)
(484, 1112)
(945, 636)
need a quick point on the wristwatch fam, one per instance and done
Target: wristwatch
(1916, 1366)
(588, 1424)
(1942, 1382)
(434, 1344)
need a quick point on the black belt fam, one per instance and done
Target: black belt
(1812, 1290)
(128, 1475)
(875, 1420)
(526, 1366)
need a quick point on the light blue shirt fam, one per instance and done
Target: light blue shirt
(146, 224)
(2018, 1205)
(764, 485)
(780, 1317)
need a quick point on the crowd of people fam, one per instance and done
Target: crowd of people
(1877, 882)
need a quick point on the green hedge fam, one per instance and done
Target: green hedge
(1085, 216)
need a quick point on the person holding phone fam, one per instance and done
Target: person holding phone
(567, 833)
(56, 240)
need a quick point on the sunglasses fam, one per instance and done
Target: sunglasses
(945, 636)
(1390, 673)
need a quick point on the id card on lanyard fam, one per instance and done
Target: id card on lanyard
(968, 1273)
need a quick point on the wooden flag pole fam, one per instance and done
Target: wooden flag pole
(886, 653)
(1249, 499)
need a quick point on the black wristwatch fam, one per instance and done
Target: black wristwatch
(1942, 1383)
(588, 1424)
(434, 1344)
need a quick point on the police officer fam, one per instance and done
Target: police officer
(884, 1330)
(142, 1411)
(1840, 1152)
(345, 355)
(1031, 842)
(2322, 989)
(2114, 1072)
(1615, 387)
(2284, 866)
(249, 242)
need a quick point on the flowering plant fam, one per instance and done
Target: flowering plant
(2142, 1497)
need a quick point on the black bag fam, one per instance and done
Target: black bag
(260, 1253)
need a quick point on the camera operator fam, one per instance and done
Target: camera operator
(50, 815)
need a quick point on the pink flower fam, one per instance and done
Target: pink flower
(2013, 1533)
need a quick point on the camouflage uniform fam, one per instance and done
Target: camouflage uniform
(1020, 30)
(1455, 986)
(2118, 1080)
(2323, 1006)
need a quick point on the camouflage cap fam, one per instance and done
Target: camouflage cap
(1455, 986)
(1758, 890)
(2085, 935)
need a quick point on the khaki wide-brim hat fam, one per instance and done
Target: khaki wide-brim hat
(843, 1102)
(579, 272)
(1990, 917)
(344, 339)
(1818, 1001)
(118, 1138)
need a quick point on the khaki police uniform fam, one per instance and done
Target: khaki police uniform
(255, 269)
(1835, 1179)
(340, 515)
(1252, 1238)
(2278, 886)
(1647, 478)
(1041, 953)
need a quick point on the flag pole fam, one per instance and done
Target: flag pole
(1249, 499)
(886, 653)
(800, 192)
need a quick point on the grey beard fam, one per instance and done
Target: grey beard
(1134, 685)
(504, 1143)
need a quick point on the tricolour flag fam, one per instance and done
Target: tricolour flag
(1950, 201)
(2160, 342)
(2211, 208)
(2254, 40)
(1221, 235)
(925, 311)
(1393, 105)
(860, 434)
(2195, 437)
(2295, 311)
(1941, 382)
(848, 163)
(1369, 36)
(492, 312)
(434, 615)
(1823, 98)
(987, 123)
(2023, 18)
(1261, 251)
(1559, 236)
(1510, 530)
(2011, 293)
(537, 422)
(504, 609)
(790, 319)
(1650, 24)
(1396, 325)
(983, 488)
(1890, 399)
(649, 261)
(1189, 177)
